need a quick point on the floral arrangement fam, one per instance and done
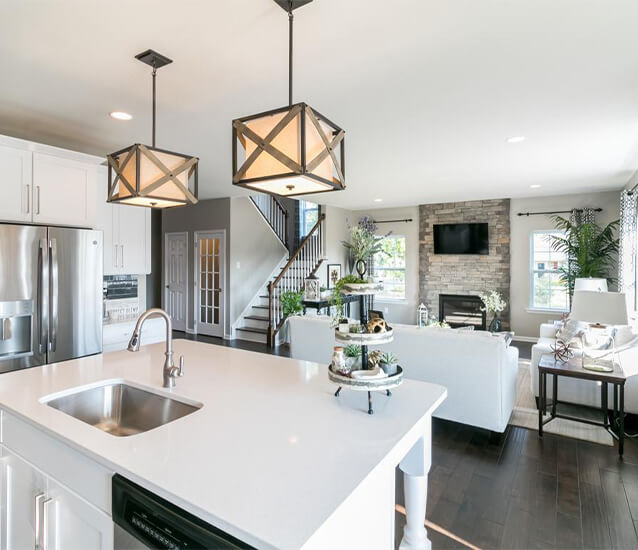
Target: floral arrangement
(493, 302)
(363, 244)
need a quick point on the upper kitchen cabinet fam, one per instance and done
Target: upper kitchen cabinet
(46, 185)
(63, 191)
(127, 234)
(15, 185)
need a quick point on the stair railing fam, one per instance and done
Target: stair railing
(275, 215)
(303, 263)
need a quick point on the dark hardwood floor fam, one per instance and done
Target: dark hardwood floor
(514, 490)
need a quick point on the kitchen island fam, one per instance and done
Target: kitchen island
(270, 457)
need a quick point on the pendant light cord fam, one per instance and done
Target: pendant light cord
(291, 19)
(154, 102)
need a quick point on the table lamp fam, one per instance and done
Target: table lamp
(599, 309)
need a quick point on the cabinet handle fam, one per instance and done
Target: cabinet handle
(38, 501)
(28, 197)
(37, 191)
(114, 255)
(45, 522)
(122, 254)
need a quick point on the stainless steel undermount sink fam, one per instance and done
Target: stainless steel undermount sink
(121, 409)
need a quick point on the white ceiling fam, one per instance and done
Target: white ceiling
(428, 91)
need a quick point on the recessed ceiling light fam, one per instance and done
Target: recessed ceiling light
(378, 200)
(120, 115)
(535, 186)
(516, 139)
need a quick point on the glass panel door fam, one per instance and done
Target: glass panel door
(211, 276)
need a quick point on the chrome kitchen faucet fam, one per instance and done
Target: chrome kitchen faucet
(170, 370)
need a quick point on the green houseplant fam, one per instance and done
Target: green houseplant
(291, 303)
(389, 363)
(591, 250)
(337, 291)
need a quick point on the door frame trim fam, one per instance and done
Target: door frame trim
(195, 282)
(165, 268)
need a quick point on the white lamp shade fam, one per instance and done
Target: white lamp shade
(606, 308)
(590, 283)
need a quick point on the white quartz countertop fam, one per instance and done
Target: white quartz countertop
(270, 455)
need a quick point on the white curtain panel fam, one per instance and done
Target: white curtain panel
(628, 235)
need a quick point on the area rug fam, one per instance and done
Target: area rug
(525, 414)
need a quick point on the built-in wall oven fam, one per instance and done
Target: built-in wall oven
(145, 520)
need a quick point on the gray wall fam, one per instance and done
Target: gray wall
(525, 321)
(206, 215)
(153, 280)
(255, 253)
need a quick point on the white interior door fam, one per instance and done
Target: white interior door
(210, 282)
(176, 289)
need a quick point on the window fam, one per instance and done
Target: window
(389, 266)
(546, 289)
(308, 216)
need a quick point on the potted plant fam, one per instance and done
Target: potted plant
(363, 244)
(388, 363)
(291, 304)
(353, 357)
(495, 303)
(337, 292)
(591, 250)
(344, 326)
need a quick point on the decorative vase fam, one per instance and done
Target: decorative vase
(495, 324)
(361, 266)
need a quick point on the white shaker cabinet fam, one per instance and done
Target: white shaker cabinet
(23, 494)
(38, 512)
(127, 234)
(63, 191)
(73, 524)
(15, 184)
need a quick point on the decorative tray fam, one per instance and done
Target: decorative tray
(367, 385)
(364, 338)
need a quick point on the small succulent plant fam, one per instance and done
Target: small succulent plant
(389, 358)
(352, 350)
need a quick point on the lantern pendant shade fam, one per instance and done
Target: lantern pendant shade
(142, 175)
(289, 151)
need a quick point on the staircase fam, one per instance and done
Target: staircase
(265, 317)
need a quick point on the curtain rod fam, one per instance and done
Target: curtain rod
(558, 212)
(405, 220)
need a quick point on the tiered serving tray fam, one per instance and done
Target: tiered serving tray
(365, 339)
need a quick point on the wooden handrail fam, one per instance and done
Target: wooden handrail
(298, 251)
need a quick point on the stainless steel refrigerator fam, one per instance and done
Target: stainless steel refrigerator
(50, 295)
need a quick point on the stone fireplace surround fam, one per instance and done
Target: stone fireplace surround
(465, 274)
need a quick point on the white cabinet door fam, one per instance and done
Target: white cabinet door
(63, 191)
(23, 494)
(134, 238)
(107, 222)
(73, 524)
(15, 185)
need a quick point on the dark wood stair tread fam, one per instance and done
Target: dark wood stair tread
(251, 329)
(256, 317)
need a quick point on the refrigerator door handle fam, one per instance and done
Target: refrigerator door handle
(53, 294)
(43, 296)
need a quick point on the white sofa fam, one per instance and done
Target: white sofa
(583, 392)
(477, 368)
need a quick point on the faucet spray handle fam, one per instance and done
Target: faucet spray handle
(181, 366)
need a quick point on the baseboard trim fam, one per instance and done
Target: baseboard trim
(190, 331)
(530, 339)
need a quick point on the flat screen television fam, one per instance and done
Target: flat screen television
(461, 238)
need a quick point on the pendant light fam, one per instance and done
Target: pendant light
(144, 175)
(294, 150)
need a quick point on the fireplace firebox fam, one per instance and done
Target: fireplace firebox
(461, 311)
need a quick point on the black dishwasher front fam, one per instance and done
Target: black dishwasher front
(157, 523)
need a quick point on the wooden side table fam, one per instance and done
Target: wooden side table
(614, 423)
